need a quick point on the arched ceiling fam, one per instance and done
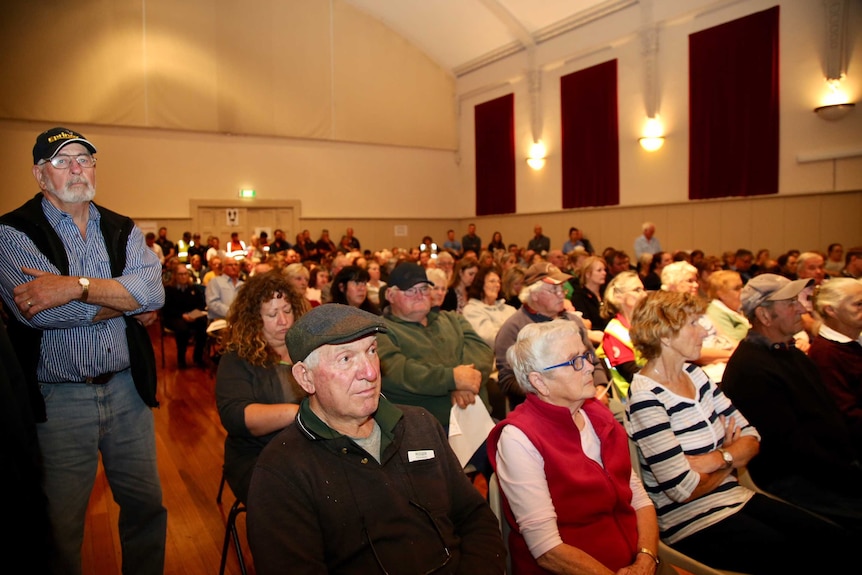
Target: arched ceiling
(465, 35)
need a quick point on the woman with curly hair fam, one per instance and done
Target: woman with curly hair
(256, 393)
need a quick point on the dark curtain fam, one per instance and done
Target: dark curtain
(591, 161)
(733, 95)
(495, 156)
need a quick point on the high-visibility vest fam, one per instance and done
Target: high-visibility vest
(235, 251)
(183, 251)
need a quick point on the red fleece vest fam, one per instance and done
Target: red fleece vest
(593, 504)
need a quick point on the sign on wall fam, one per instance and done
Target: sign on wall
(232, 215)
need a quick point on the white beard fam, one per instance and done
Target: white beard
(70, 194)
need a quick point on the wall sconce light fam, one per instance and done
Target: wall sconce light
(835, 105)
(537, 156)
(247, 193)
(652, 139)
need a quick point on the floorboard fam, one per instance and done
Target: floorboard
(190, 451)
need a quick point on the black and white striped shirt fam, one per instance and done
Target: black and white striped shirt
(667, 427)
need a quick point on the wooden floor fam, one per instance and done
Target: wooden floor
(190, 447)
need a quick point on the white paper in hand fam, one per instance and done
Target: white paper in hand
(468, 429)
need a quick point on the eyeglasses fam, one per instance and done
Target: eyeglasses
(415, 291)
(447, 554)
(576, 362)
(64, 161)
(554, 289)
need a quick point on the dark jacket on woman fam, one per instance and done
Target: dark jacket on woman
(239, 384)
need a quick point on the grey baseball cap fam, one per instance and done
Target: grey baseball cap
(770, 287)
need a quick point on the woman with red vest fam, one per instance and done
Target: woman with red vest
(562, 462)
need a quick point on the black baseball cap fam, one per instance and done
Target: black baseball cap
(406, 275)
(49, 142)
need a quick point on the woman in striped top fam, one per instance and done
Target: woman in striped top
(691, 440)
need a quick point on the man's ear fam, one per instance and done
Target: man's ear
(303, 377)
(538, 383)
(39, 175)
(762, 315)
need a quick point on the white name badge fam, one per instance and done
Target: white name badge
(420, 455)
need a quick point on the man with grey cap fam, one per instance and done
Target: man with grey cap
(358, 484)
(806, 454)
(543, 299)
(80, 285)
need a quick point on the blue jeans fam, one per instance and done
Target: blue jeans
(83, 421)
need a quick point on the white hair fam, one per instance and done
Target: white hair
(527, 291)
(676, 272)
(437, 276)
(535, 346)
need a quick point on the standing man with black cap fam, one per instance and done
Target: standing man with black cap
(80, 284)
(359, 485)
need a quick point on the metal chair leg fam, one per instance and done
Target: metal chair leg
(220, 488)
(232, 533)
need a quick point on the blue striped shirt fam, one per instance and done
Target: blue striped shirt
(667, 427)
(73, 347)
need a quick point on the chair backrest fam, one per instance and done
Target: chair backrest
(495, 500)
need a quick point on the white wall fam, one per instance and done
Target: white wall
(662, 177)
(401, 170)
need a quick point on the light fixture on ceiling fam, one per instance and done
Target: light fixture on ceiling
(536, 158)
(652, 138)
(836, 104)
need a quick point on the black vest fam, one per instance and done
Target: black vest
(31, 220)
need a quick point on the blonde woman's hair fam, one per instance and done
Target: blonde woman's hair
(661, 314)
(611, 302)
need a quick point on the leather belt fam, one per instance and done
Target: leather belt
(101, 379)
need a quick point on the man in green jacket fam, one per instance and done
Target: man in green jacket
(429, 359)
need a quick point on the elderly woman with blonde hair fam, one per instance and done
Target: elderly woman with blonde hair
(623, 293)
(692, 440)
(562, 461)
(725, 303)
(681, 277)
(298, 276)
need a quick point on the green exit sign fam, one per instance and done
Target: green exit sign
(247, 193)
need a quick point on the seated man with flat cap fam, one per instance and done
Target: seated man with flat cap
(359, 485)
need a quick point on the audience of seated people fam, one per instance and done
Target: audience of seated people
(488, 288)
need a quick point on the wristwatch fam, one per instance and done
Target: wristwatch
(85, 288)
(727, 456)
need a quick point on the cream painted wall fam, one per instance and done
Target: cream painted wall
(154, 173)
(316, 69)
(661, 177)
